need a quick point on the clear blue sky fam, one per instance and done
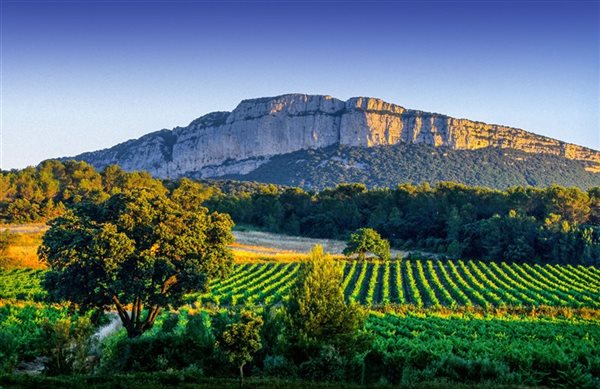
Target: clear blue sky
(79, 76)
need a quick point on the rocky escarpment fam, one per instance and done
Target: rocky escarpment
(237, 142)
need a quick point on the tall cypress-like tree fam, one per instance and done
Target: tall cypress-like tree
(316, 309)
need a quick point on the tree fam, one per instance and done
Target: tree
(241, 340)
(367, 240)
(316, 309)
(137, 251)
(571, 203)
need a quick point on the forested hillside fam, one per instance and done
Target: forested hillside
(387, 166)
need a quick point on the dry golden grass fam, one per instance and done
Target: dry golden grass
(23, 251)
(242, 256)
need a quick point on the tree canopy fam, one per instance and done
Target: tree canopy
(137, 249)
(241, 340)
(317, 310)
(367, 240)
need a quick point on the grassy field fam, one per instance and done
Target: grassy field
(250, 246)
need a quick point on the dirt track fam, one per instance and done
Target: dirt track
(266, 243)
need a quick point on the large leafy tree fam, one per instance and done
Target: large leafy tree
(367, 240)
(138, 252)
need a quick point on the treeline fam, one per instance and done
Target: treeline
(555, 224)
(38, 194)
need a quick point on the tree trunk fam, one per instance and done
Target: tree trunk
(241, 375)
(133, 323)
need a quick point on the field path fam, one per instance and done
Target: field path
(269, 243)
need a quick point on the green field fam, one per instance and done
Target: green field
(425, 283)
(420, 283)
(430, 321)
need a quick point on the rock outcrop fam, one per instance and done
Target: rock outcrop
(238, 142)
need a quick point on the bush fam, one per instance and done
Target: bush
(328, 366)
(278, 366)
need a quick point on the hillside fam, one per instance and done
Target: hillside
(387, 166)
(258, 131)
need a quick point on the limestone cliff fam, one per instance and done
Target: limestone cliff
(237, 142)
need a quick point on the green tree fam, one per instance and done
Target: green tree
(571, 203)
(316, 309)
(367, 240)
(241, 340)
(139, 252)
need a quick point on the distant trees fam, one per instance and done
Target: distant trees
(137, 249)
(450, 218)
(367, 240)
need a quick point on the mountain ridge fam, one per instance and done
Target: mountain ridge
(238, 142)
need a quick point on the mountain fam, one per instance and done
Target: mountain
(259, 132)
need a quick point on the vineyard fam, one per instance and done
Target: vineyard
(421, 283)
(430, 318)
(464, 349)
(21, 284)
(424, 283)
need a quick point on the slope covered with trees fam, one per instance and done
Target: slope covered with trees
(385, 167)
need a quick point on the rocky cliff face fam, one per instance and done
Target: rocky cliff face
(237, 142)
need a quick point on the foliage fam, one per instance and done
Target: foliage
(316, 310)
(427, 283)
(495, 350)
(46, 191)
(241, 340)
(385, 167)
(27, 331)
(526, 224)
(66, 344)
(556, 224)
(367, 240)
(489, 345)
(139, 248)
(22, 284)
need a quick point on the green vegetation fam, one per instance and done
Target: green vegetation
(140, 248)
(316, 310)
(456, 321)
(550, 353)
(241, 340)
(22, 284)
(46, 191)
(521, 224)
(153, 251)
(420, 283)
(424, 283)
(385, 167)
(367, 240)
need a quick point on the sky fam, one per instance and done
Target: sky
(84, 75)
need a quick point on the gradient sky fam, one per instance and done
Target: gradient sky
(80, 76)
